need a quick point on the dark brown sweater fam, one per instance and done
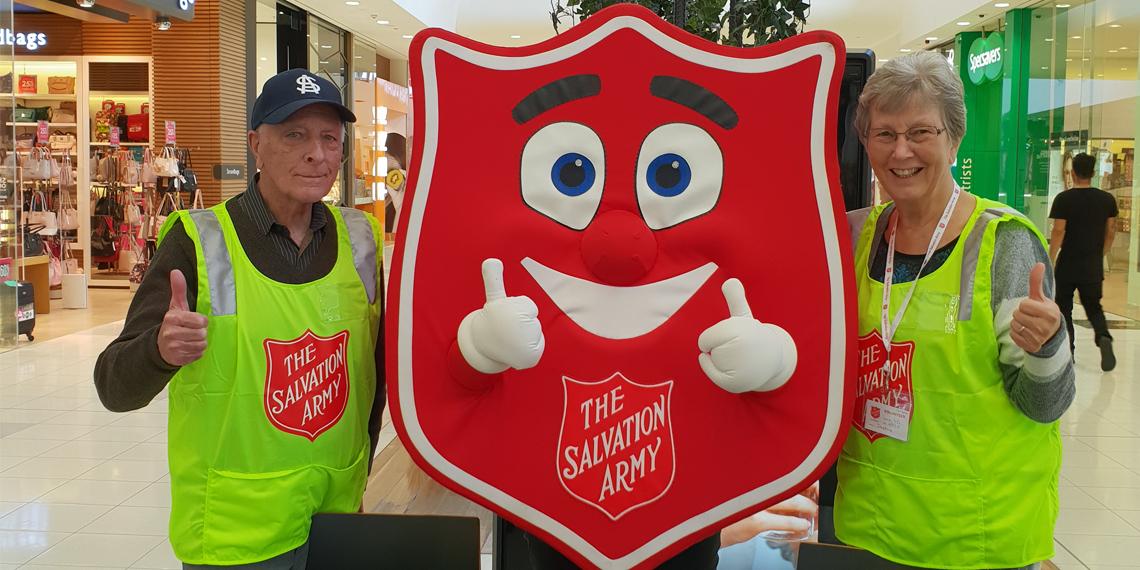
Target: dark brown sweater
(130, 372)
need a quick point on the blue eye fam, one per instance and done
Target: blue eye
(669, 175)
(573, 174)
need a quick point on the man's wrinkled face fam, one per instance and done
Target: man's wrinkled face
(301, 156)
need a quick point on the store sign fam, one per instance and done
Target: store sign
(30, 41)
(170, 134)
(984, 58)
(229, 171)
(116, 137)
(42, 134)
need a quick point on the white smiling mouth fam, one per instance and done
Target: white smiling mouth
(618, 313)
(905, 172)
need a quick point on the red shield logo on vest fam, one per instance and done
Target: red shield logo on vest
(615, 451)
(306, 383)
(890, 385)
(622, 192)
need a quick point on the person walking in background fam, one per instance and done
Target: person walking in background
(1084, 224)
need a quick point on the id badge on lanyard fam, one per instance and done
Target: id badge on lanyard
(888, 420)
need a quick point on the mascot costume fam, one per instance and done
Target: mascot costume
(621, 311)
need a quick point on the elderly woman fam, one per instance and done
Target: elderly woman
(954, 454)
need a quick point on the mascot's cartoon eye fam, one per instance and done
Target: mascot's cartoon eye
(572, 174)
(563, 172)
(679, 173)
(669, 175)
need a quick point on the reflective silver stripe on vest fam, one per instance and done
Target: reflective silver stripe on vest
(219, 269)
(363, 248)
(880, 230)
(856, 219)
(972, 250)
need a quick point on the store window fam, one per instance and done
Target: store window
(9, 232)
(367, 139)
(1084, 96)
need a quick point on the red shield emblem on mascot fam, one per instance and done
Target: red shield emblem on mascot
(623, 197)
(887, 385)
(306, 383)
(616, 447)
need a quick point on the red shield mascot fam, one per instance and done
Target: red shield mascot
(620, 297)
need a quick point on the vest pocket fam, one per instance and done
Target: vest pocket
(935, 523)
(250, 517)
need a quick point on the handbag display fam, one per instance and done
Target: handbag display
(166, 164)
(33, 243)
(42, 217)
(61, 85)
(148, 178)
(68, 214)
(6, 83)
(138, 125)
(62, 140)
(188, 177)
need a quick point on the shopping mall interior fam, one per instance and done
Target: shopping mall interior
(121, 112)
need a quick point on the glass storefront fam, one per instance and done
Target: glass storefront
(1084, 96)
(9, 210)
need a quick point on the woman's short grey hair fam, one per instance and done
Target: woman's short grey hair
(924, 78)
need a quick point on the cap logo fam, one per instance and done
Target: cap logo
(306, 84)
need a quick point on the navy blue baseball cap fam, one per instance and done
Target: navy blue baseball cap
(288, 91)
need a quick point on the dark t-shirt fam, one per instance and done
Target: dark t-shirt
(1085, 211)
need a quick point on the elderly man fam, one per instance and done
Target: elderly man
(262, 315)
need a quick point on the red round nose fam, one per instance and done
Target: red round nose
(619, 248)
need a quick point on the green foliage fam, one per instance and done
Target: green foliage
(745, 23)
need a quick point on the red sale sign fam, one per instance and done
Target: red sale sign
(170, 133)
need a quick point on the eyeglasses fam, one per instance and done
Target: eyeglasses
(916, 135)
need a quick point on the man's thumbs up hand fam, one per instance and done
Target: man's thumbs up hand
(182, 335)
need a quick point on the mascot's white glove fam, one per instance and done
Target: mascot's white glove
(505, 333)
(741, 354)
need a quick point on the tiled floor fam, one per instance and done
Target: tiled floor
(83, 487)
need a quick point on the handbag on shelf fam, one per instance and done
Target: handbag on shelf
(61, 85)
(42, 217)
(166, 164)
(68, 214)
(148, 177)
(188, 177)
(138, 125)
(33, 243)
(25, 141)
(70, 264)
(6, 83)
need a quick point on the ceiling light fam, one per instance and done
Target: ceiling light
(1068, 59)
(1063, 5)
(1048, 39)
(1001, 5)
(162, 23)
(407, 36)
(1044, 67)
(1111, 51)
(904, 50)
(264, 59)
(515, 36)
(352, 3)
(1123, 47)
(932, 38)
(1114, 25)
(963, 23)
(383, 22)
(1123, 69)
(1075, 37)
(85, 3)
(883, 60)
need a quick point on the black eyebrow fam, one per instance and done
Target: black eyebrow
(554, 94)
(696, 98)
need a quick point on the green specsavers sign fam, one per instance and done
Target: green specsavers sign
(984, 58)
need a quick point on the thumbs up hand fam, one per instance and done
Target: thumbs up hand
(1037, 318)
(741, 354)
(182, 335)
(505, 333)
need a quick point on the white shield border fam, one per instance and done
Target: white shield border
(432, 46)
(562, 431)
